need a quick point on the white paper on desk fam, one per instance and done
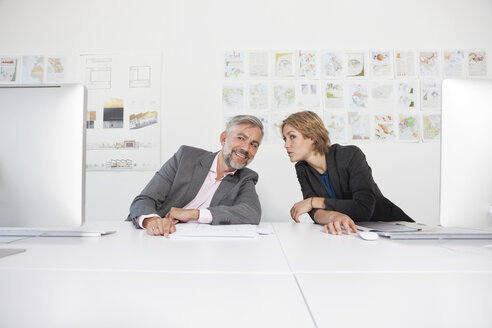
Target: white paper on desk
(192, 229)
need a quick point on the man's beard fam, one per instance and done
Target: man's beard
(227, 152)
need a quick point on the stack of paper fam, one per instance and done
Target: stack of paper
(192, 229)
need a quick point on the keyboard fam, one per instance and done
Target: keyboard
(20, 232)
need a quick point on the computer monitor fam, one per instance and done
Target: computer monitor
(42, 157)
(466, 153)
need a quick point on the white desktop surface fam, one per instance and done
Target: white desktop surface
(134, 249)
(309, 249)
(75, 298)
(288, 279)
(350, 282)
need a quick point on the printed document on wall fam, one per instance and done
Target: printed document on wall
(123, 111)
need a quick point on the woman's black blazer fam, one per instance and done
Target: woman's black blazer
(358, 196)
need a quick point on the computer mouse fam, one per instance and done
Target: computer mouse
(368, 235)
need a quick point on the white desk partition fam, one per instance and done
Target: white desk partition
(76, 298)
(349, 282)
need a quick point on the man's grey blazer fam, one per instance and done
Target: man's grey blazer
(181, 177)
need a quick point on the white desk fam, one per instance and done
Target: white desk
(131, 279)
(349, 282)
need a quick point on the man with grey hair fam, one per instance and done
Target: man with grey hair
(210, 188)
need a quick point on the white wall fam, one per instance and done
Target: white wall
(192, 36)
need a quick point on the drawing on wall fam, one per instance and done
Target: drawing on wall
(91, 118)
(359, 126)
(32, 69)
(284, 63)
(407, 95)
(429, 64)
(308, 95)
(233, 96)
(334, 95)
(355, 64)
(374, 95)
(336, 126)
(55, 69)
(97, 71)
(142, 120)
(453, 63)
(284, 95)
(432, 127)
(258, 96)
(234, 64)
(430, 95)
(384, 127)
(381, 94)
(113, 114)
(381, 64)
(258, 64)
(140, 77)
(123, 101)
(9, 69)
(308, 64)
(405, 64)
(331, 65)
(358, 96)
(409, 127)
(477, 63)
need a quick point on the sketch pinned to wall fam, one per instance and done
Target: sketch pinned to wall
(405, 62)
(453, 63)
(284, 95)
(359, 126)
(308, 64)
(430, 95)
(336, 126)
(234, 64)
(56, 69)
(355, 64)
(384, 127)
(381, 94)
(308, 94)
(33, 69)
(431, 127)
(332, 65)
(357, 95)
(382, 64)
(258, 64)
(233, 96)
(9, 69)
(123, 101)
(409, 127)
(333, 94)
(285, 64)
(407, 94)
(258, 96)
(429, 64)
(477, 64)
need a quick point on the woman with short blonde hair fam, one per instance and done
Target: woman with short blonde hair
(336, 181)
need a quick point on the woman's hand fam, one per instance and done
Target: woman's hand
(300, 208)
(334, 221)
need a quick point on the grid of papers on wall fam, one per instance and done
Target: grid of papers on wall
(123, 102)
(377, 95)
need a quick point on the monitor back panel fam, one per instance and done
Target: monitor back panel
(42, 158)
